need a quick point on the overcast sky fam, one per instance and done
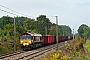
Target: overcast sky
(69, 12)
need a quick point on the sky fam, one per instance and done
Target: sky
(70, 12)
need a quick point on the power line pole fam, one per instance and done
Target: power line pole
(68, 31)
(63, 32)
(73, 34)
(46, 30)
(57, 32)
(14, 35)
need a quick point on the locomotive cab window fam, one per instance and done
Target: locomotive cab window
(28, 37)
(22, 37)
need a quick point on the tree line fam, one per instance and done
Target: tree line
(41, 25)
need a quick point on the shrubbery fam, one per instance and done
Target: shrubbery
(5, 50)
(79, 49)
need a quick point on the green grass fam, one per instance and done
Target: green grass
(88, 44)
(84, 58)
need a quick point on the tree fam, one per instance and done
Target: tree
(20, 20)
(52, 30)
(65, 30)
(30, 25)
(5, 20)
(84, 31)
(43, 24)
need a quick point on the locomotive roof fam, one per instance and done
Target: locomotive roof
(32, 34)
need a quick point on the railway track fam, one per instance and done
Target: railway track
(11, 54)
(33, 54)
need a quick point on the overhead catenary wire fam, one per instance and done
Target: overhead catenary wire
(8, 12)
(14, 11)
(18, 12)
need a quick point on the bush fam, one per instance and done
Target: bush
(5, 50)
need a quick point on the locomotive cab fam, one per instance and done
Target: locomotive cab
(29, 40)
(25, 40)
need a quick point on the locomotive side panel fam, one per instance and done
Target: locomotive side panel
(37, 39)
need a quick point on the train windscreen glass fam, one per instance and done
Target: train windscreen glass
(22, 37)
(28, 37)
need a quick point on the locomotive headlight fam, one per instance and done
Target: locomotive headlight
(21, 42)
(25, 44)
(30, 42)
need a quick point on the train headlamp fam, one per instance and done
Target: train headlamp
(30, 42)
(21, 42)
(25, 44)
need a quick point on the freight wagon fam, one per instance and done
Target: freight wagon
(48, 40)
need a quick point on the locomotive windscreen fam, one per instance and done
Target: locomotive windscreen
(28, 37)
(25, 37)
(22, 37)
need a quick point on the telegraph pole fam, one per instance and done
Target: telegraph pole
(57, 32)
(63, 32)
(14, 35)
(68, 31)
(46, 30)
(73, 34)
